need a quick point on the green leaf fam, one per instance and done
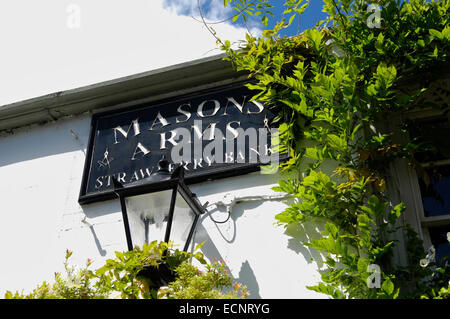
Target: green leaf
(446, 33)
(387, 286)
(265, 20)
(362, 268)
(379, 43)
(199, 246)
(436, 33)
(395, 213)
(332, 230)
(315, 38)
(291, 19)
(336, 142)
(326, 289)
(313, 153)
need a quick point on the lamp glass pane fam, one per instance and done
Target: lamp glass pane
(148, 215)
(183, 219)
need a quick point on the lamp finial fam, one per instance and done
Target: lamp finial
(163, 165)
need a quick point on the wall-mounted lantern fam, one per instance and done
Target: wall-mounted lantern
(160, 207)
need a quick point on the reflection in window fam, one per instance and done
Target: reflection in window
(435, 190)
(433, 170)
(439, 239)
(432, 134)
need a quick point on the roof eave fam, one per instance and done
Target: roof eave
(155, 84)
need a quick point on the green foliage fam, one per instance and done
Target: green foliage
(76, 284)
(332, 86)
(443, 293)
(121, 278)
(122, 273)
(212, 283)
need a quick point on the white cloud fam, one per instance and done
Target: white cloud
(212, 10)
(43, 53)
(182, 7)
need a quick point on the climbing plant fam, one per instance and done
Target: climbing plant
(334, 86)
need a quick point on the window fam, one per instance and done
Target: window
(433, 178)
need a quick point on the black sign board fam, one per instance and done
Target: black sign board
(214, 133)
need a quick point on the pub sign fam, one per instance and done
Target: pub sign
(215, 133)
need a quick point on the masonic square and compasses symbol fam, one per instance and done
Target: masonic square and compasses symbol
(106, 159)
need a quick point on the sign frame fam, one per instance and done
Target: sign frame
(234, 169)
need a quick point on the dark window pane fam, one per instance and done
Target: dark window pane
(435, 190)
(439, 239)
(433, 136)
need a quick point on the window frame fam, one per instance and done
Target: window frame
(407, 182)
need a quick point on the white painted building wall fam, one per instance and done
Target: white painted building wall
(41, 168)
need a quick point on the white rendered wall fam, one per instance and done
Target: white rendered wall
(41, 168)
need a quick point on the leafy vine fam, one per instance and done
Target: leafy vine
(333, 87)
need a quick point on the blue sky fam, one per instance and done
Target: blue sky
(214, 11)
(310, 17)
(50, 46)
